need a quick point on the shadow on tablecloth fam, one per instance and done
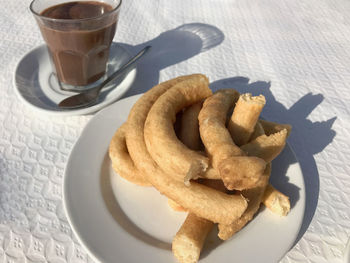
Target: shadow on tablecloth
(170, 48)
(307, 138)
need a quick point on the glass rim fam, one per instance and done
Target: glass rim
(62, 20)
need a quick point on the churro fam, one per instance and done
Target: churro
(149, 150)
(273, 127)
(267, 147)
(245, 115)
(175, 206)
(254, 196)
(199, 199)
(121, 161)
(276, 201)
(189, 127)
(258, 130)
(136, 122)
(236, 170)
(188, 241)
(167, 151)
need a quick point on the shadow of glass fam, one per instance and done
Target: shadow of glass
(307, 138)
(169, 48)
(117, 212)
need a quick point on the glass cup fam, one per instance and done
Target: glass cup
(78, 36)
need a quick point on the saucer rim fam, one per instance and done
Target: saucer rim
(71, 112)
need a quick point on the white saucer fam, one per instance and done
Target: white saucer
(37, 87)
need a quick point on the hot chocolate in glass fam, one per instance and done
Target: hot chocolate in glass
(78, 36)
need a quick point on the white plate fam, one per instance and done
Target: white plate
(37, 87)
(120, 222)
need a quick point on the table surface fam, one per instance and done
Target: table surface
(296, 53)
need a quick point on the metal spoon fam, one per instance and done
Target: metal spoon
(90, 96)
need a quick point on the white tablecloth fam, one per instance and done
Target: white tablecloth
(296, 53)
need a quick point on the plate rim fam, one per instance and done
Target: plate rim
(134, 99)
(70, 112)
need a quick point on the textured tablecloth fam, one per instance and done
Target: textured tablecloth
(296, 53)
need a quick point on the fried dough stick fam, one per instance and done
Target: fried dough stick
(258, 130)
(236, 170)
(188, 134)
(173, 205)
(244, 117)
(273, 127)
(189, 128)
(199, 199)
(270, 197)
(277, 202)
(254, 196)
(274, 200)
(167, 151)
(136, 121)
(188, 241)
(124, 166)
(203, 201)
(190, 137)
(132, 169)
(267, 147)
(121, 161)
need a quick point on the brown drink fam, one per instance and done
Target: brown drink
(78, 35)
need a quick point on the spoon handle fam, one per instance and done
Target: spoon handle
(125, 67)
